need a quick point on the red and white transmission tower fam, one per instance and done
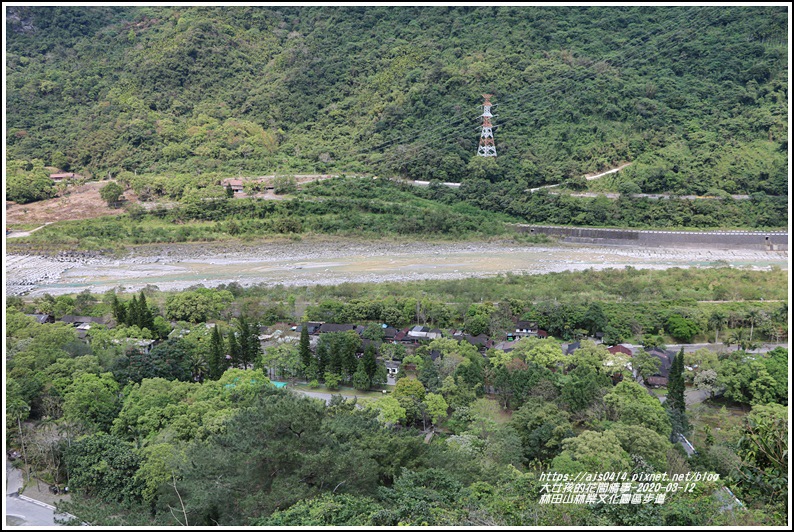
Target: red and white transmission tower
(487, 147)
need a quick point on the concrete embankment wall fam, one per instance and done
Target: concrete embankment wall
(760, 240)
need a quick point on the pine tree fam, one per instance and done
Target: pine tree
(429, 375)
(676, 403)
(119, 311)
(305, 351)
(323, 358)
(133, 312)
(248, 341)
(360, 379)
(370, 363)
(217, 361)
(234, 349)
(145, 315)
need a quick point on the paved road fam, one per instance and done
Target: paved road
(19, 512)
(692, 396)
(690, 348)
(589, 178)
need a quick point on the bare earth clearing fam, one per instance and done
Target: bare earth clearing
(81, 203)
(177, 267)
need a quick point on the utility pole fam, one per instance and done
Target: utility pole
(487, 147)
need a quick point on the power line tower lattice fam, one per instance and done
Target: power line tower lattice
(487, 147)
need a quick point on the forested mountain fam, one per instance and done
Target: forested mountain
(694, 96)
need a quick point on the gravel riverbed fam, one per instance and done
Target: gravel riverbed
(309, 262)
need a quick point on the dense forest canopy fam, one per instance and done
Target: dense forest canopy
(694, 96)
(191, 430)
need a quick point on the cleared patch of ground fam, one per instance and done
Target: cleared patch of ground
(77, 203)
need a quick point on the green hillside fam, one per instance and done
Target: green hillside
(695, 97)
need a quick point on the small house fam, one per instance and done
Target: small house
(235, 184)
(42, 318)
(392, 367)
(60, 177)
(525, 328)
(80, 320)
(661, 377)
(312, 326)
(389, 333)
(572, 347)
(336, 327)
(622, 349)
(506, 346)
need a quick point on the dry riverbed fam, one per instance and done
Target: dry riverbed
(177, 267)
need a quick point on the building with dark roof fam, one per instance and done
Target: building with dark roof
(42, 318)
(615, 349)
(661, 377)
(335, 327)
(572, 347)
(312, 326)
(79, 320)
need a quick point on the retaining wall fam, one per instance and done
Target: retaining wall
(760, 240)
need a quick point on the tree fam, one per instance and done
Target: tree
(248, 341)
(360, 379)
(435, 408)
(133, 312)
(111, 193)
(763, 449)
(282, 360)
(410, 393)
(676, 403)
(17, 409)
(642, 441)
(329, 509)
(390, 411)
(429, 376)
(26, 182)
(92, 400)
(717, 320)
(104, 466)
(234, 349)
(631, 404)
(171, 359)
(369, 361)
(645, 364)
(753, 315)
(543, 352)
(217, 361)
(145, 317)
(590, 451)
(286, 184)
(682, 328)
(542, 427)
(594, 319)
(584, 386)
(303, 347)
(197, 306)
(707, 380)
(332, 380)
